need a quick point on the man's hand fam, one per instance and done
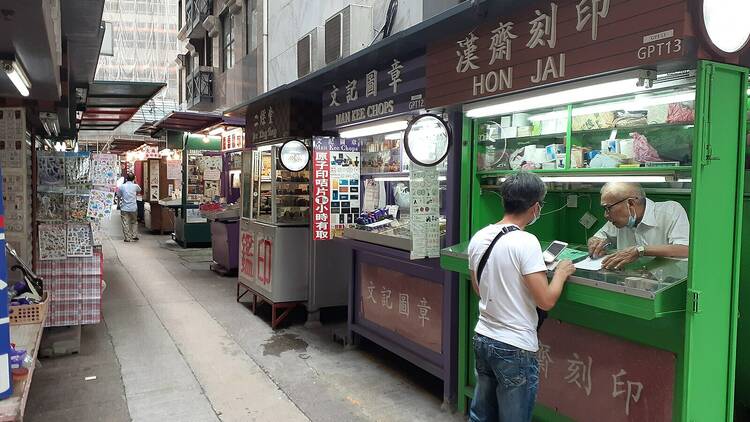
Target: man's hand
(597, 246)
(620, 258)
(565, 269)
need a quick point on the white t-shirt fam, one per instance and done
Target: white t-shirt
(663, 223)
(507, 310)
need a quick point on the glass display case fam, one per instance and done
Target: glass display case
(276, 195)
(650, 130)
(195, 186)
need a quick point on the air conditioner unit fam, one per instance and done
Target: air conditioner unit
(310, 52)
(347, 32)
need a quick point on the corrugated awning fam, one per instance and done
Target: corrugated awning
(112, 103)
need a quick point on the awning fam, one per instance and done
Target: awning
(188, 121)
(147, 129)
(112, 103)
(226, 123)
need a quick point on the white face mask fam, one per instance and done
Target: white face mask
(536, 217)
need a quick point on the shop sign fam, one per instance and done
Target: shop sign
(590, 376)
(336, 190)
(409, 306)
(425, 212)
(280, 117)
(256, 257)
(232, 140)
(394, 88)
(553, 42)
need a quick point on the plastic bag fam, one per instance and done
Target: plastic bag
(644, 152)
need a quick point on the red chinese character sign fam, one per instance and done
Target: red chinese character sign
(336, 188)
(256, 256)
(233, 139)
(550, 42)
(589, 376)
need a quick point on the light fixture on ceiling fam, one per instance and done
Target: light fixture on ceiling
(605, 87)
(374, 129)
(400, 179)
(17, 75)
(50, 123)
(604, 179)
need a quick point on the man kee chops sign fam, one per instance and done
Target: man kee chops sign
(394, 88)
(552, 42)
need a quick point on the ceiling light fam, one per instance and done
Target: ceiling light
(399, 179)
(602, 179)
(17, 75)
(374, 129)
(606, 87)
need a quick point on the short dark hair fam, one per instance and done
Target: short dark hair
(520, 191)
(130, 177)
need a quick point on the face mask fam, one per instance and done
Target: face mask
(631, 219)
(536, 217)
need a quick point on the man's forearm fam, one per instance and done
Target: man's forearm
(669, 251)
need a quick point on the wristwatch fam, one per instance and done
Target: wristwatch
(641, 250)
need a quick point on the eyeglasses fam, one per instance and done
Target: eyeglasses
(607, 208)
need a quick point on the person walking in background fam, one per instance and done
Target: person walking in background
(128, 207)
(509, 275)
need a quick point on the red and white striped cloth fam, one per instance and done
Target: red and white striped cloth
(74, 287)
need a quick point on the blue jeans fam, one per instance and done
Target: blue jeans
(507, 381)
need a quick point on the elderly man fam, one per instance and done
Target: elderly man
(640, 226)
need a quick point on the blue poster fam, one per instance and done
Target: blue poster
(6, 386)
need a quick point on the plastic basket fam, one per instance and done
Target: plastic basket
(28, 314)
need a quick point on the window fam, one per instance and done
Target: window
(251, 16)
(227, 40)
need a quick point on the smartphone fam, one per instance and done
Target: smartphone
(553, 251)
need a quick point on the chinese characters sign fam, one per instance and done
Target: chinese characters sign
(425, 212)
(256, 245)
(589, 376)
(336, 167)
(553, 41)
(394, 88)
(280, 117)
(233, 139)
(409, 306)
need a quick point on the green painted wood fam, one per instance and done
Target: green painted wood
(710, 328)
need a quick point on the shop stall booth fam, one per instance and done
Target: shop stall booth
(275, 222)
(224, 214)
(382, 219)
(199, 174)
(151, 175)
(639, 93)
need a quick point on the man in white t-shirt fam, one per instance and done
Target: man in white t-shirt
(512, 284)
(639, 226)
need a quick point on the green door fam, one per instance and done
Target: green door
(715, 236)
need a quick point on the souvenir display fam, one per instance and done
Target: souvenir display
(51, 168)
(12, 132)
(51, 206)
(79, 241)
(100, 204)
(52, 241)
(104, 169)
(77, 168)
(76, 206)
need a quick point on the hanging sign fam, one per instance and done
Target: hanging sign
(336, 190)
(294, 155)
(551, 42)
(396, 87)
(427, 140)
(280, 117)
(233, 139)
(425, 212)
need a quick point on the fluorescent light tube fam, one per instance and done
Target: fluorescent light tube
(399, 179)
(601, 179)
(217, 131)
(18, 76)
(374, 129)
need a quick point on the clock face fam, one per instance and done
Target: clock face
(294, 155)
(727, 23)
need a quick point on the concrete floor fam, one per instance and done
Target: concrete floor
(176, 346)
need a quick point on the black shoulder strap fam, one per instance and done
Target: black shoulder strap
(486, 255)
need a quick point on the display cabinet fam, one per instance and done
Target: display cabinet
(278, 196)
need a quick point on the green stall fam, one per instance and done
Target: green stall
(658, 339)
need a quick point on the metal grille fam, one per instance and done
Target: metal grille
(303, 55)
(333, 38)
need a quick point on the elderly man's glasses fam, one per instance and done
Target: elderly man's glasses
(608, 208)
